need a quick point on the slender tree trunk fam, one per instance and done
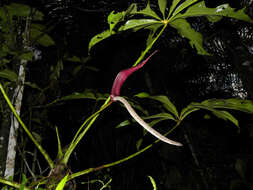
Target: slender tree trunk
(17, 102)
(5, 122)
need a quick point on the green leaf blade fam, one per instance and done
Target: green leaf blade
(232, 103)
(164, 100)
(62, 183)
(173, 6)
(219, 113)
(99, 37)
(146, 12)
(200, 9)
(185, 30)
(162, 5)
(137, 24)
(9, 75)
(184, 5)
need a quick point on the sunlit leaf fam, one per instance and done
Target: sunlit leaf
(213, 18)
(173, 6)
(138, 24)
(99, 37)
(146, 12)
(62, 183)
(8, 74)
(199, 9)
(183, 5)
(114, 18)
(162, 5)
(185, 30)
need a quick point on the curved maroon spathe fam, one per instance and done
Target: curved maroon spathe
(115, 96)
(123, 75)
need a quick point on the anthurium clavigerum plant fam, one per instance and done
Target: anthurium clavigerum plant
(150, 20)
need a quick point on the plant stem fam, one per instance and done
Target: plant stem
(89, 170)
(43, 152)
(12, 184)
(79, 135)
(150, 45)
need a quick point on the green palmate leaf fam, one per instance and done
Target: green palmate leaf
(173, 6)
(164, 100)
(99, 37)
(162, 5)
(146, 12)
(114, 18)
(153, 29)
(186, 111)
(8, 74)
(234, 104)
(219, 113)
(226, 116)
(182, 6)
(137, 24)
(199, 9)
(62, 183)
(87, 94)
(160, 115)
(134, 24)
(185, 30)
(212, 18)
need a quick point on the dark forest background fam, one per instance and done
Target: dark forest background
(216, 155)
